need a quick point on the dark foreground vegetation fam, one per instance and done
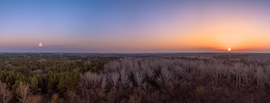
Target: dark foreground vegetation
(135, 78)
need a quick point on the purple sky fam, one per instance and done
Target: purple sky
(134, 26)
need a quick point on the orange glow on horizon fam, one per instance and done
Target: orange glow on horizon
(240, 35)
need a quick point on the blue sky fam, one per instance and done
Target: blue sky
(123, 25)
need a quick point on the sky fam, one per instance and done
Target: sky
(134, 26)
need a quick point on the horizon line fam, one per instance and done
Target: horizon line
(136, 52)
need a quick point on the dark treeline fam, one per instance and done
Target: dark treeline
(80, 78)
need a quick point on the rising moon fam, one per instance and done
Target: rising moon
(229, 49)
(40, 44)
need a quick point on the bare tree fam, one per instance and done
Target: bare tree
(181, 71)
(124, 78)
(112, 66)
(104, 82)
(5, 94)
(90, 80)
(159, 81)
(23, 92)
(259, 76)
(166, 74)
(115, 78)
(149, 72)
(72, 97)
(139, 77)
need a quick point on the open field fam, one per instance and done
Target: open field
(154, 78)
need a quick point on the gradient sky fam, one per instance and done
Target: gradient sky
(134, 26)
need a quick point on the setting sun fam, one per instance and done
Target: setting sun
(229, 49)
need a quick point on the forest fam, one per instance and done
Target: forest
(134, 78)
